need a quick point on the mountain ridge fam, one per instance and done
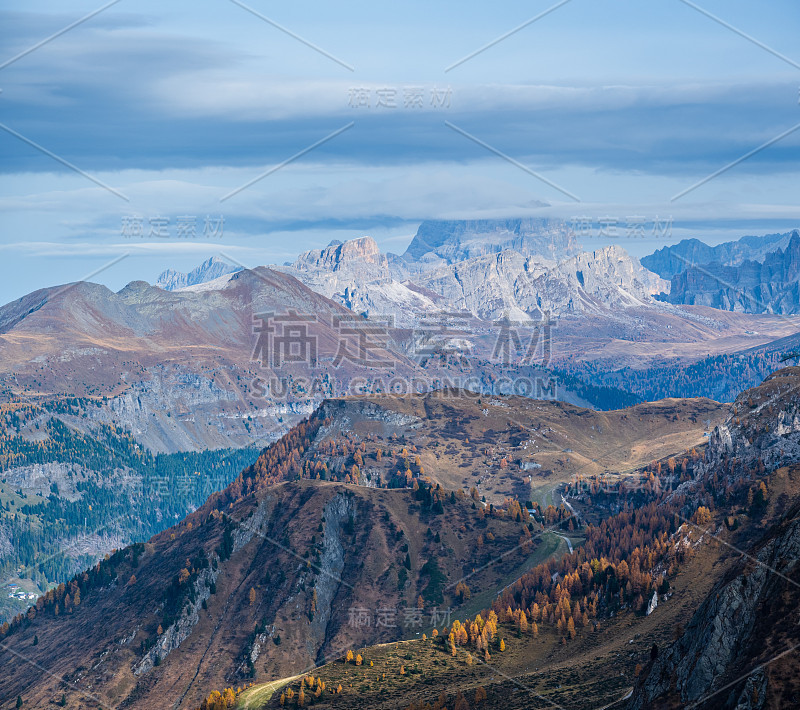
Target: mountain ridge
(673, 259)
(769, 286)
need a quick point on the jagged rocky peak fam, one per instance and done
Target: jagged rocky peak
(341, 256)
(447, 242)
(210, 269)
(357, 275)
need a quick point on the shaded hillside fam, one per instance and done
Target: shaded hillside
(720, 377)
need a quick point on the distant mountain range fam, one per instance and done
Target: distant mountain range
(199, 367)
(519, 269)
(213, 268)
(769, 285)
(178, 364)
(671, 260)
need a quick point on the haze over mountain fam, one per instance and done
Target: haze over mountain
(438, 242)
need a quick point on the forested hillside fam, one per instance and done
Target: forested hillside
(67, 496)
(719, 377)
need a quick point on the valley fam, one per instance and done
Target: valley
(304, 550)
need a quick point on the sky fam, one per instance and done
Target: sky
(152, 135)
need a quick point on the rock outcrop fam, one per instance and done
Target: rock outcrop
(763, 428)
(715, 663)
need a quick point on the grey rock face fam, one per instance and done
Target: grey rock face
(176, 634)
(754, 694)
(526, 287)
(344, 411)
(720, 631)
(778, 446)
(331, 564)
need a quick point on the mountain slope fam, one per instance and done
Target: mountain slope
(178, 369)
(600, 305)
(739, 648)
(180, 614)
(70, 493)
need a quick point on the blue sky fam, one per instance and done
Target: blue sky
(620, 104)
